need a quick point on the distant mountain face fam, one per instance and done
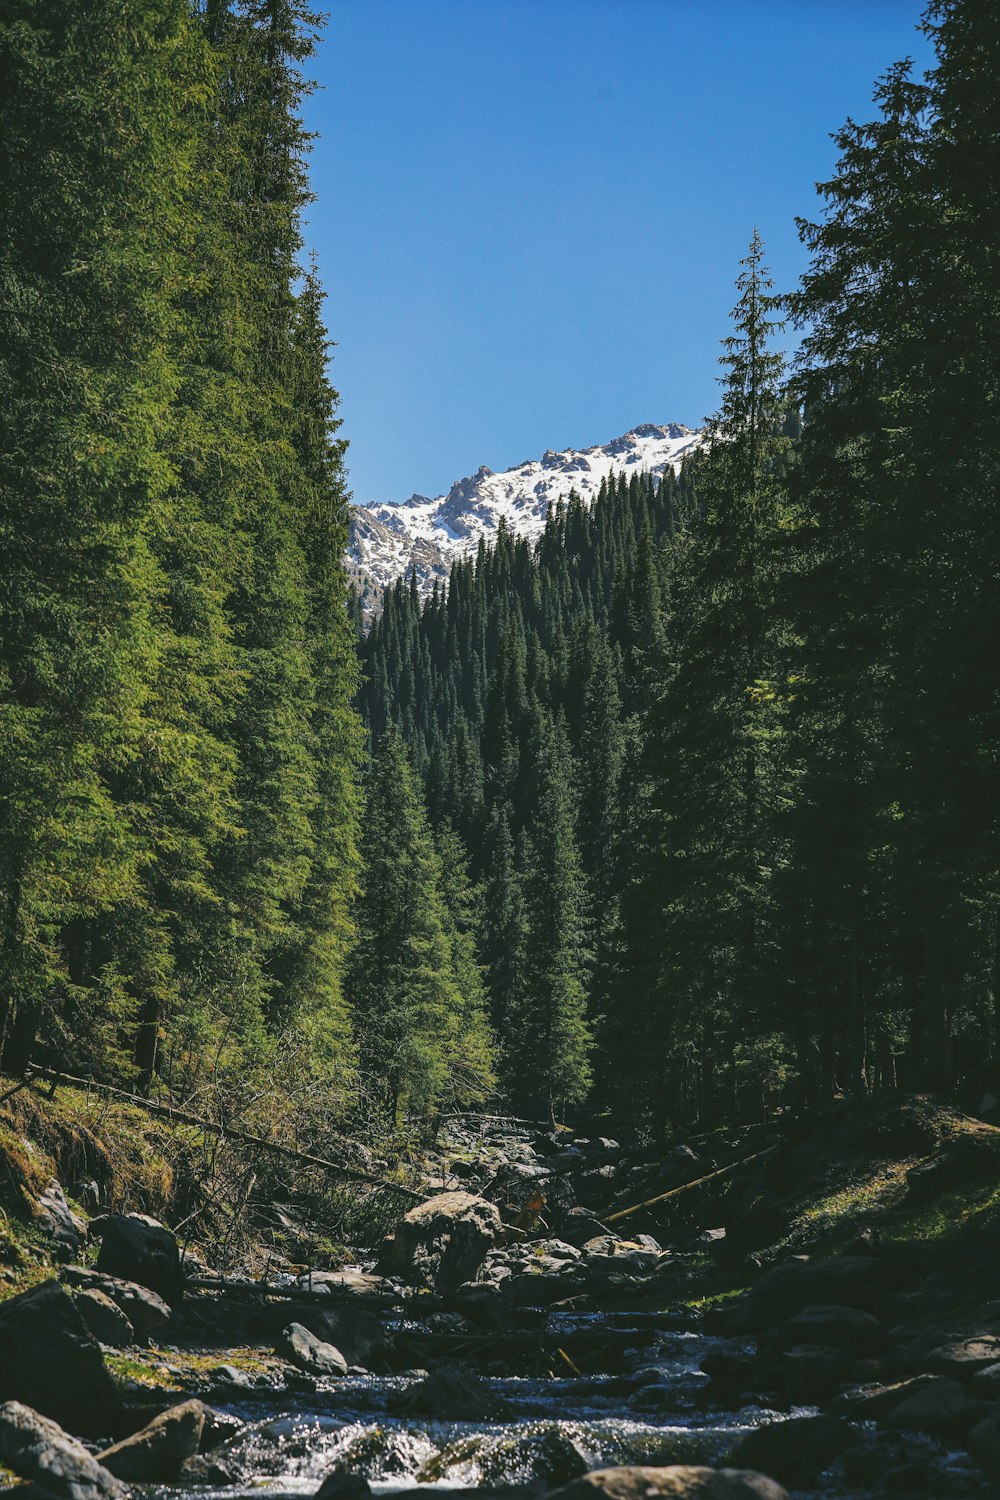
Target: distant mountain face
(388, 539)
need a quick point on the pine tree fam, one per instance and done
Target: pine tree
(409, 1005)
(551, 1063)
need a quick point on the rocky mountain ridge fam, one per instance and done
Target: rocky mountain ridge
(389, 538)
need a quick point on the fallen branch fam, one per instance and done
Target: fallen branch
(625, 1213)
(242, 1137)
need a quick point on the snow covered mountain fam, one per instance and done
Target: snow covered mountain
(388, 538)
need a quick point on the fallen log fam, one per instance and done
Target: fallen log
(625, 1213)
(242, 1137)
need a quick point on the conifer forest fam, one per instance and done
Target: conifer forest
(687, 813)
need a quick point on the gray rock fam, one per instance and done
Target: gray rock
(556, 1250)
(229, 1375)
(55, 1216)
(784, 1291)
(986, 1383)
(871, 1403)
(483, 1304)
(810, 1372)
(963, 1358)
(218, 1428)
(348, 1282)
(675, 1482)
(442, 1242)
(135, 1247)
(795, 1452)
(578, 1226)
(733, 1369)
(50, 1360)
(358, 1334)
(983, 1443)
(105, 1319)
(829, 1327)
(307, 1352)
(543, 1454)
(37, 1449)
(343, 1484)
(941, 1406)
(147, 1312)
(155, 1454)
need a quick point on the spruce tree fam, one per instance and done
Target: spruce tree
(412, 1017)
(551, 1064)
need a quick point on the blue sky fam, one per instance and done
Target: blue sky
(530, 211)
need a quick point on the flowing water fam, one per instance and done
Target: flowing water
(651, 1411)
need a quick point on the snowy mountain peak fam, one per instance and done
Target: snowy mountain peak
(389, 538)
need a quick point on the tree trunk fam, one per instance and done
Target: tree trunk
(706, 1100)
(937, 1053)
(147, 1042)
(20, 1040)
(856, 1080)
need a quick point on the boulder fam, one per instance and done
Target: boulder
(228, 1378)
(785, 1290)
(809, 1372)
(359, 1335)
(105, 1319)
(38, 1450)
(307, 1352)
(578, 1226)
(351, 1281)
(942, 1407)
(986, 1383)
(155, 1454)
(453, 1395)
(483, 1304)
(732, 1369)
(795, 1452)
(675, 1482)
(343, 1484)
(983, 1442)
(963, 1358)
(870, 1403)
(54, 1215)
(218, 1428)
(829, 1327)
(50, 1360)
(541, 1455)
(442, 1242)
(540, 1288)
(135, 1247)
(147, 1312)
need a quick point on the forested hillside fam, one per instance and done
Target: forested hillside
(178, 801)
(687, 811)
(722, 751)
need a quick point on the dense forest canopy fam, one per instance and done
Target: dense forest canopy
(688, 811)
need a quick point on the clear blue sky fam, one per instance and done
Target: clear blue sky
(530, 211)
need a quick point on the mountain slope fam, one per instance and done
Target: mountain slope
(388, 539)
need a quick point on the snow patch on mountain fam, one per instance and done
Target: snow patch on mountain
(389, 538)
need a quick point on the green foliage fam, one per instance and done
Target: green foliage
(414, 980)
(762, 864)
(177, 805)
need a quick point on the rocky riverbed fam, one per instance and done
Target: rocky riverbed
(509, 1334)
